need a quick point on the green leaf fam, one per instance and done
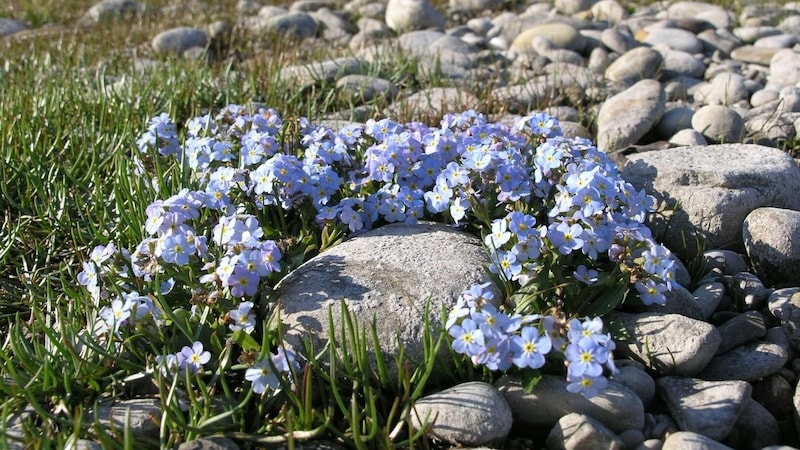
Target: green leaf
(530, 378)
(611, 297)
(246, 341)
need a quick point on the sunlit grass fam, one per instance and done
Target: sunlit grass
(74, 100)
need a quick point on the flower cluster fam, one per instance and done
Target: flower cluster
(500, 342)
(189, 359)
(560, 225)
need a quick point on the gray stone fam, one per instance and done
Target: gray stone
(714, 14)
(364, 88)
(754, 55)
(688, 138)
(775, 394)
(470, 414)
(581, 432)
(388, 275)
(675, 119)
(143, 416)
(209, 443)
(680, 63)
(626, 117)
(408, 15)
(763, 97)
(674, 38)
(719, 124)
(724, 89)
(11, 26)
(637, 380)
(610, 11)
(475, 5)
(729, 262)
(784, 68)
(294, 25)
(745, 327)
(750, 34)
(667, 343)
(617, 41)
(327, 71)
(785, 305)
(178, 40)
(773, 130)
(113, 9)
(772, 240)
(568, 7)
(748, 362)
(708, 298)
(637, 64)
(689, 400)
(756, 428)
(716, 186)
(777, 41)
(617, 407)
(433, 103)
(720, 41)
(748, 291)
(562, 35)
(679, 301)
(688, 440)
(83, 444)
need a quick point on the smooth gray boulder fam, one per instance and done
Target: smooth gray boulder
(716, 186)
(772, 241)
(626, 117)
(388, 276)
(710, 408)
(469, 414)
(671, 344)
(617, 407)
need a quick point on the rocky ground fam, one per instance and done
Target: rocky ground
(699, 105)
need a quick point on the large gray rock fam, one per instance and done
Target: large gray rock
(470, 414)
(710, 408)
(112, 9)
(388, 275)
(772, 241)
(756, 428)
(617, 407)
(626, 117)
(667, 343)
(716, 186)
(688, 440)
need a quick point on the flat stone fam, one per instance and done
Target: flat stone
(388, 275)
(469, 414)
(717, 186)
(617, 407)
(667, 343)
(754, 55)
(689, 400)
(748, 362)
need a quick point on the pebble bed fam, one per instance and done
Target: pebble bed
(665, 75)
